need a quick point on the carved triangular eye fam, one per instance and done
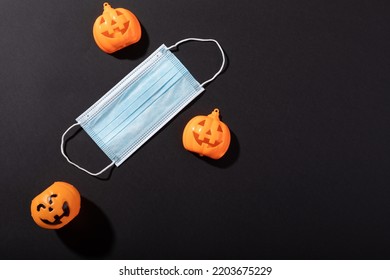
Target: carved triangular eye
(65, 208)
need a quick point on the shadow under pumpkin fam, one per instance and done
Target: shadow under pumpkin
(90, 234)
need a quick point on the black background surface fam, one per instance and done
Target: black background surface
(305, 94)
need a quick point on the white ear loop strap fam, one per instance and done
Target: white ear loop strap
(205, 40)
(74, 164)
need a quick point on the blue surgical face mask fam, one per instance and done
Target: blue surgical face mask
(140, 104)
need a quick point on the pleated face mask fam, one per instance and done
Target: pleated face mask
(140, 105)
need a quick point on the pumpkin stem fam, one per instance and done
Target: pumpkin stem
(215, 113)
(106, 6)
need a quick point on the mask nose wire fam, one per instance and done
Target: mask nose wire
(205, 40)
(74, 164)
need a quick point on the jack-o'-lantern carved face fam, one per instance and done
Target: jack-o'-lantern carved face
(56, 206)
(207, 136)
(116, 29)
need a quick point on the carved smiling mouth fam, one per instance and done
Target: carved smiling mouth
(205, 141)
(57, 219)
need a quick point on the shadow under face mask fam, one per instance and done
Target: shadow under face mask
(140, 105)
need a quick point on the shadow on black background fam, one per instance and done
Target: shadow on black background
(136, 50)
(90, 234)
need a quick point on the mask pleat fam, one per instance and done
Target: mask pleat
(135, 110)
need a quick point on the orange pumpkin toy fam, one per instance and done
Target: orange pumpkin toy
(116, 29)
(56, 206)
(207, 136)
